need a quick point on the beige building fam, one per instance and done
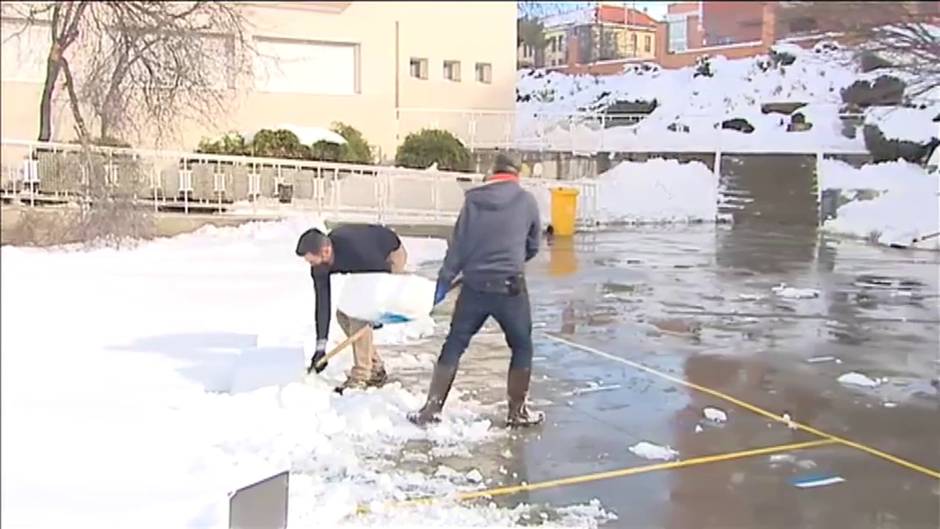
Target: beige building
(386, 68)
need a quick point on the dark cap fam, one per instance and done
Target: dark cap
(312, 241)
(505, 164)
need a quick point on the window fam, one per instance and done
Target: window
(648, 44)
(554, 44)
(633, 44)
(484, 72)
(678, 30)
(452, 70)
(306, 67)
(419, 68)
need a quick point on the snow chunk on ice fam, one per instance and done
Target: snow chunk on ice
(648, 450)
(784, 291)
(715, 414)
(857, 379)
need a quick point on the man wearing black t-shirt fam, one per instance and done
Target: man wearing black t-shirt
(347, 249)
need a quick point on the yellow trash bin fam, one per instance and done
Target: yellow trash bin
(564, 210)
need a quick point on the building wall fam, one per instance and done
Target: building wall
(731, 22)
(556, 49)
(359, 72)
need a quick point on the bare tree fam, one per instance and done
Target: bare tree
(905, 34)
(129, 66)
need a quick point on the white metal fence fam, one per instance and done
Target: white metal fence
(38, 172)
(536, 129)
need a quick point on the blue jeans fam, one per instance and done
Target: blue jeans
(512, 313)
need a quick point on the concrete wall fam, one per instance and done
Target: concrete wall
(387, 34)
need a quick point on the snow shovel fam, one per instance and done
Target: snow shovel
(387, 318)
(915, 240)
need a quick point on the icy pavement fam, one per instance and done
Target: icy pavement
(109, 358)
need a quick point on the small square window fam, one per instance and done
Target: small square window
(452, 70)
(484, 72)
(419, 68)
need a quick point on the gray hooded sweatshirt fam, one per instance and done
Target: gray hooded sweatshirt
(497, 231)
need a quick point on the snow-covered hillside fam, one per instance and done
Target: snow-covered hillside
(693, 102)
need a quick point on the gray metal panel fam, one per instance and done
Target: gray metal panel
(261, 505)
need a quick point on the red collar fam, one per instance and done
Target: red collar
(503, 177)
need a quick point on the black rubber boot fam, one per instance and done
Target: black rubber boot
(517, 387)
(441, 381)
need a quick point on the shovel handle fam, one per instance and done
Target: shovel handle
(342, 345)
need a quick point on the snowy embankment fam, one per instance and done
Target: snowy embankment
(891, 203)
(121, 404)
(559, 111)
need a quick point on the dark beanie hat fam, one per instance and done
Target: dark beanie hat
(312, 241)
(505, 164)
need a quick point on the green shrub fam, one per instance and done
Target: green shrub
(422, 149)
(232, 143)
(279, 143)
(355, 150)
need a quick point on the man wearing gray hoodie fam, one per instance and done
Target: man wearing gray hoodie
(496, 233)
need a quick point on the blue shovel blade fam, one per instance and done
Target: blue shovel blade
(392, 318)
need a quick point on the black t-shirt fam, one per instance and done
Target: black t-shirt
(356, 248)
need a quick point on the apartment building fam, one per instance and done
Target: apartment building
(691, 30)
(601, 32)
(386, 68)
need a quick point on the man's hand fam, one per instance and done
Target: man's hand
(318, 356)
(441, 291)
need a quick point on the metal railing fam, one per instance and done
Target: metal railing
(50, 173)
(536, 129)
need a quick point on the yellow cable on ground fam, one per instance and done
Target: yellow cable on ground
(574, 480)
(748, 406)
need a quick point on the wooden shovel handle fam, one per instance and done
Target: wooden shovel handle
(342, 345)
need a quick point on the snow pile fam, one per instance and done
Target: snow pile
(907, 205)
(648, 450)
(111, 365)
(906, 124)
(560, 111)
(657, 191)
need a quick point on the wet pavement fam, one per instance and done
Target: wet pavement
(697, 303)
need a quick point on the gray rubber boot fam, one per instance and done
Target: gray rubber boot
(517, 387)
(441, 381)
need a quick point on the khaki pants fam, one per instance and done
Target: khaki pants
(366, 360)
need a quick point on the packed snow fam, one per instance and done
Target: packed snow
(648, 450)
(657, 191)
(906, 206)
(119, 406)
(561, 111)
